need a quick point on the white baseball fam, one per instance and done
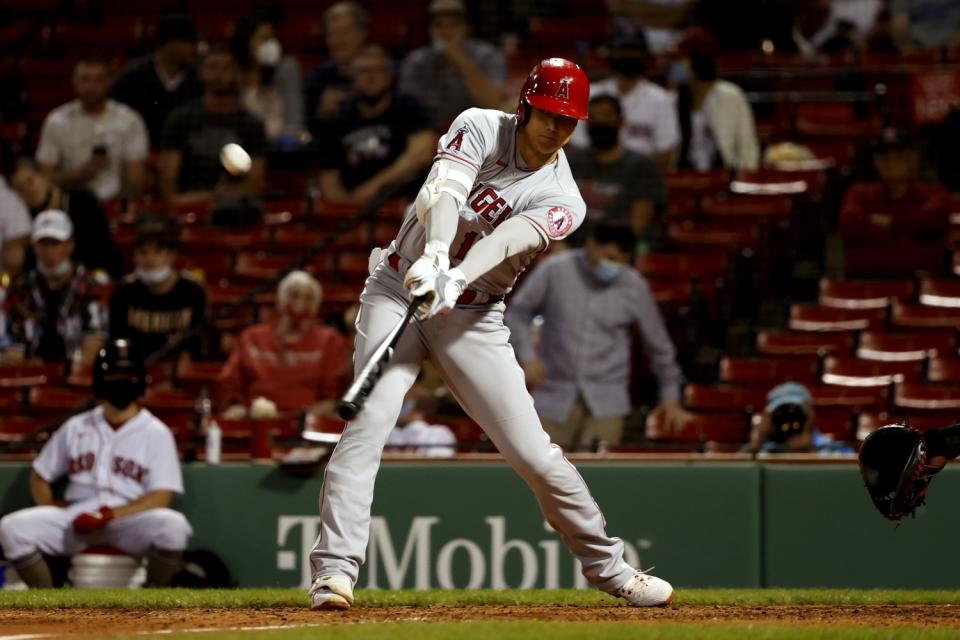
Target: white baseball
(235, 159)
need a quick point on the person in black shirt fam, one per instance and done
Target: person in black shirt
(155, 306)
(53, 310)
(195, 133)
(618, 185)
(379, 138)
(156, 84)
(95, 248)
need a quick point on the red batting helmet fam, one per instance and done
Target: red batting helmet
(558, 86)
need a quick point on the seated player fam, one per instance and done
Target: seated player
(123, 471)
(293, 361)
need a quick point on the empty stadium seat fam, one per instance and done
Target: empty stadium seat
(835, 421)
(922, 316)
(703, 265)
(869, 422)
(757, 206)
(913, 396)
(855, 372)
(904, 259)
(723, 428)
(863, 294)
(936, 292)
(22, 375)
(792, 343)
(769, 371)
(944, 369)
(724, 398)
(834, 395)
(916, 345)
(50, 401)
(812, 317)
(739, 234)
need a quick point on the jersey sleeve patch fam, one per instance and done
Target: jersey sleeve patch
(559, 222)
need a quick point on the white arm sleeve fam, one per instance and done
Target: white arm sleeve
(440, 198)
(514, 237)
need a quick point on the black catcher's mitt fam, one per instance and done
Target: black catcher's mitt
(894, 465)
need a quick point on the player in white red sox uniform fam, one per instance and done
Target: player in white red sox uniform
(123, 471)
(499, 192)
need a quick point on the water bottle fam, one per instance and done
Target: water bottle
(214, 438)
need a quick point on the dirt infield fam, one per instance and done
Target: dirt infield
(100, 622)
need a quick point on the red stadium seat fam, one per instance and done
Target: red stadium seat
(944, 369)
(854, 294)
(940, 293)
(913, 396)
(192, 376)
(56, 402)
(921, 316)
(683, 266)
(724, 428)
(917, 345)
(794, 343)
(757, 206)
(870, 422)
(811, 317)
(724, 398)
(739, 234)
(834, 395)
(877, 261)
(769, 371)
(696, 182)
(854, 372)
(22, 375)
(16, 428)
(835, 421)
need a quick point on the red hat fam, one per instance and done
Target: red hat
(697, 41)
(558, 86)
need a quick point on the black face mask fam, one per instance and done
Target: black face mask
(787, 421)
(603, 136)
(370, 101)
(120, 392)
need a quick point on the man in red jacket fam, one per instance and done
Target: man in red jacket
(292, 360)
(898, 204)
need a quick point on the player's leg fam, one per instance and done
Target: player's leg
(349, 477)
(159, 534)
(27, 534)
(473, 355)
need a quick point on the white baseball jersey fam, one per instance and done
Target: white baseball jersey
(484, 142)
(113, 466)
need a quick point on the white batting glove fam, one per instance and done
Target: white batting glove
(440, 295)
(422, 274)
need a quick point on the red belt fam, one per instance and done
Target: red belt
(470, 296)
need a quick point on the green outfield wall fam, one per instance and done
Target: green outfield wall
(469, 524)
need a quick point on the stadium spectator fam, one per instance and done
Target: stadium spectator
(898, 204)
(787, 424)
(661, 21)
(14, 230)
(590, 300)
(155, 305)
(414, 434)
(649, 111)
(195, 133)
(94, 142)
(618, 185)
(345, 26)
(53, 310)
(454, 72)
(381, 137)
(271, 81)
(95, 248)
(716, 121)
(156, 84)
(123, 471)
(925, 24)
(293, 361)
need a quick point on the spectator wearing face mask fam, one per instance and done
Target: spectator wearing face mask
(618, 185)
(156, 305)
(292, 360)
(591, 300)
(271, 86)
(649, 112)
(53, 309)
(345, 27)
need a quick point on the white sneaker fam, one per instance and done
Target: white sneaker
(331, 592)
(646, 591)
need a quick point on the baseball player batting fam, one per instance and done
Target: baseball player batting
(499, 191)
(123, 470)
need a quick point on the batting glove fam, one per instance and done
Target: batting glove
(440, 296)
(93, 520)
(422, 274)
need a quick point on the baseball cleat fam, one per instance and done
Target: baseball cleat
(331, 592)
(646, 591)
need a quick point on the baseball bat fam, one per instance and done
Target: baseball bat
(353, 400)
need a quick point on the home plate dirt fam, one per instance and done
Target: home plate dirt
(98, 622)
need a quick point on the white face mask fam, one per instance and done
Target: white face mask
(607, 271)
(268, 53)
(57, 271)
(153, 277)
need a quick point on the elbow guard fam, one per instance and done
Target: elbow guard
(443, 179)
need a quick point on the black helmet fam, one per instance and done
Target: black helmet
(118, 374)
